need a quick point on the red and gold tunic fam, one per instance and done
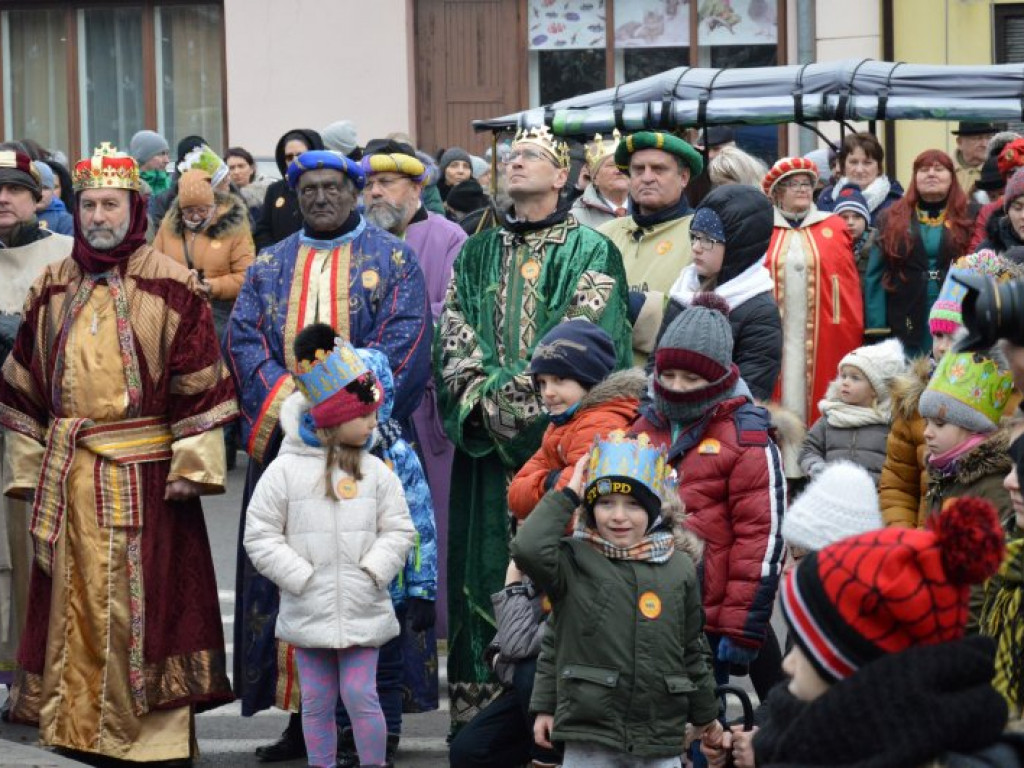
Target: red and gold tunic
(115, 387)
(817, 288)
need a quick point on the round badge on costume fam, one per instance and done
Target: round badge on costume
(663, 247)
(530, 270)
(826, 231)
(347, 488)
(279, 203)
(370, 279)
(650, 605)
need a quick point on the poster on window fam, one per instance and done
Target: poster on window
(566, 24)
(652, 23)
(737, 22)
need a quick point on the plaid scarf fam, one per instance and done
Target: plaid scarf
(656, 546)
(1003, 620)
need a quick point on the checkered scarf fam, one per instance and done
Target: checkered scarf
(656, 546)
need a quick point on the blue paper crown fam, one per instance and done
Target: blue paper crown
(617, 455)
(330, 372)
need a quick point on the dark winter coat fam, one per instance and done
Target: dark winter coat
(999, 234)
(864, 446)
(280, 215)
(903, 710)
(624, 680)
(735, 496)
(610, 405)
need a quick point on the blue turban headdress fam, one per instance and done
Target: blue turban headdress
(317, 159)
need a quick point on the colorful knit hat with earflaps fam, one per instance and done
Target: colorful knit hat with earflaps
(968, 389)
(333, 378)
(699, 341)
(888, 590)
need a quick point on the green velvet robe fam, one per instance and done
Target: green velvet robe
(507, 292)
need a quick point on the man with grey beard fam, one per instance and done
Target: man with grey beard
(113, 399)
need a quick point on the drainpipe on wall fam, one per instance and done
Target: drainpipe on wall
(805, 54)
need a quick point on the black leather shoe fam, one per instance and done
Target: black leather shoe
(290, 746)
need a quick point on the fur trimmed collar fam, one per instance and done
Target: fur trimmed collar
(989, 458)
(629, 383)
(907, 388)
(231, 214)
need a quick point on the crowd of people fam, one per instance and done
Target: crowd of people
(588, 414)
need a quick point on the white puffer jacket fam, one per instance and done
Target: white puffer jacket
(332, 560)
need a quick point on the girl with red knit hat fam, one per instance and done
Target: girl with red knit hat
(329, 524)
(881, 674)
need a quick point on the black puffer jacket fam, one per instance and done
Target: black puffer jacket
(999, 234)
(280, 216)
(747, 218)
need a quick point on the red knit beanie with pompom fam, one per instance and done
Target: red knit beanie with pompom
(888, 590)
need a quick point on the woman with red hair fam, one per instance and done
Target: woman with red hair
(920, 236)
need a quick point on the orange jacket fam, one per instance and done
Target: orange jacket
(611, 404)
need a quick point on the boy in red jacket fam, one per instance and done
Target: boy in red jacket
(732, 484)
(570, 369)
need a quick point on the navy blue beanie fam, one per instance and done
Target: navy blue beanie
(576, 349)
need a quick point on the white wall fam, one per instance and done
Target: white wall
(308, 63)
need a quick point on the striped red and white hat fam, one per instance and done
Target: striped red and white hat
(885, 591)
(788, 166)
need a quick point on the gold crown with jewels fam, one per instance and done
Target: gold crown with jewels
(106, 169)
(543, 139)
(600, 149)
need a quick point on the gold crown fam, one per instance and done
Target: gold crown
(106, 169)
(599, 149)
(542, 138)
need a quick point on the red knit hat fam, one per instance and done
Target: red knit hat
(788, 166)
(1011, 157)
(885, 591)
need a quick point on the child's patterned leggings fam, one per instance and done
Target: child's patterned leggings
(352, 672)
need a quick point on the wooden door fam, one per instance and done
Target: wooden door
(470, 64)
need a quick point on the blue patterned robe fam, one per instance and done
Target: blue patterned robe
(380, 304)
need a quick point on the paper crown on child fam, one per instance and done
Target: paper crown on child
(543, 139)
(205, 159)
(600, 149)
(629, 465)
(967, 389)
(338, 385)
(106, 169)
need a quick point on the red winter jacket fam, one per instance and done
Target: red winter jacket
(611, 404)
(732, 483)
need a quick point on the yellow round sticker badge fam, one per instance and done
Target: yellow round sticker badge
(530, 270)
(370, 279)
(347, 488)
(279, 203)
(650, 605)
(663, 247)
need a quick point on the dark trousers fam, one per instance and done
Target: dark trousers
(501, 735)
(390, 681)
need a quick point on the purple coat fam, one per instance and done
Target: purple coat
(436, 242)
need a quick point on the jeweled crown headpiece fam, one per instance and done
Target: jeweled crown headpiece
(106, 169)
(601, 149)
(617, 461)
(543, 139)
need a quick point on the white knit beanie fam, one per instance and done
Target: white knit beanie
(842, 501)
(881, 363)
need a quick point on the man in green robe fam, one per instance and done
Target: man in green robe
(510, 286)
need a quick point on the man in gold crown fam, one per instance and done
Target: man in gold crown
(655, 238)
(113, 400)
(606, 198)
(510, 286)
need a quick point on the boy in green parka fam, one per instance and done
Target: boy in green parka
(631, 665)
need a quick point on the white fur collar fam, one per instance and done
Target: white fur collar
(751, 282)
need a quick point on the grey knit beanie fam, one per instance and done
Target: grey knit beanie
(145, 145)
(700, 341)
(340, 137)
(451, 155)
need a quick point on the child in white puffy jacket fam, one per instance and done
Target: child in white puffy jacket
(329, 525)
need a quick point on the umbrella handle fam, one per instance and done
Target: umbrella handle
(741, 695)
